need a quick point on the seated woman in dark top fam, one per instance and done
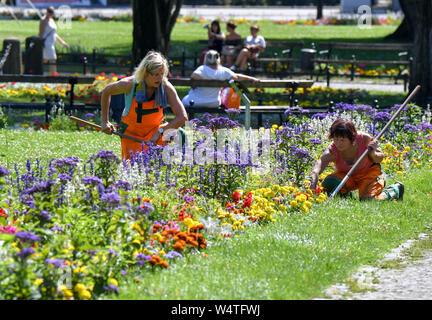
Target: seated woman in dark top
(232, 46)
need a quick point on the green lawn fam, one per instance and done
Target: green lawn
(298, 256)
(93, 34)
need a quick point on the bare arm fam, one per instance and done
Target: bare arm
(59, 39)
(42, 26)
(319, 167)
(178, 109)
(375, 155)
(119, 87)
(240, 77)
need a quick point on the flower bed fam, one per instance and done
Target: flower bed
(74, 229)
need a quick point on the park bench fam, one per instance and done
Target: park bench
(326, 49)
(292, 85)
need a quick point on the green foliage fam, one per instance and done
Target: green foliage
(3, 119)
(62, 122)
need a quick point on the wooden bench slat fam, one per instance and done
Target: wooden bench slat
(361, 61)
(224, 83)
(366, 46)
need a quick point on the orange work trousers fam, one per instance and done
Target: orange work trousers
(369, 183)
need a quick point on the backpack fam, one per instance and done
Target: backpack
(229, 98)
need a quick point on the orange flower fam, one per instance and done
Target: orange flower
(164, 264)
(178, 246)
(2, 213)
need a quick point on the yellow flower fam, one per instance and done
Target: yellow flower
(38, 282)
(80, 287)
(113, 282)
(84, 294)
(294, 203)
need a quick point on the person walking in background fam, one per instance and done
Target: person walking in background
(147, 92)
(48, 32)
(347, 147)
(212, 69)
(232, 46)
(252, 47)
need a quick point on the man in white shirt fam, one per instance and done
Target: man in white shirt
(253, 46)
(211, 69)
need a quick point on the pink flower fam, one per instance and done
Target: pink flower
(8, 229)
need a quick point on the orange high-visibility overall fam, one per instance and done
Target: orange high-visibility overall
(142, 121)
(368, 178)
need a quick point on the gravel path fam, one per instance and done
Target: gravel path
(406, 279)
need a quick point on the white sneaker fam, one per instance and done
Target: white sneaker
(233, 67)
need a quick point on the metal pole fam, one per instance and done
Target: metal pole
(245, 100)
(354, 167)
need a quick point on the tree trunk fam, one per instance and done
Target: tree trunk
(405, 31)
(153, 21)
(319, 9)
(421, 71)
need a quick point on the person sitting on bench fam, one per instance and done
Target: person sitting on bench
(252, 47)
(347, 147)
(211, 69)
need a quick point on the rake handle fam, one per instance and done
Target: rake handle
(99, 128)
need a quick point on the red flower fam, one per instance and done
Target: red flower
(2, 213)
(247, 201)
(236, 196)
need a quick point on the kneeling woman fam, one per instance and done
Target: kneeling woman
(147, 92)
(347, 147)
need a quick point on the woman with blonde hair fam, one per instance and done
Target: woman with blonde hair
(146, 92)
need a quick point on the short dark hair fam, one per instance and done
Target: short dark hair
(254, 27)
(232, 24)
(343, 128)
(50, 10)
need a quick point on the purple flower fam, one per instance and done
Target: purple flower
(68, 162)
(24, 253)
(424, 126)
(319, 115)
(92, 181)
(382, 116)
(89, 115)
(344, 106)
(45, 215)
(143, 256)
(64, 177)
(111, 251)
(222, 123)
(315, 141)
(363, 108)
(27, 236)
(58, 263)
(232, 111)
(123, 185)
(173, 255)
(111, 198)
(107, 156)
(195, 121)
(300, 153)
(40, 187)
(410, 128)
(112, 288)
(4, 172)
